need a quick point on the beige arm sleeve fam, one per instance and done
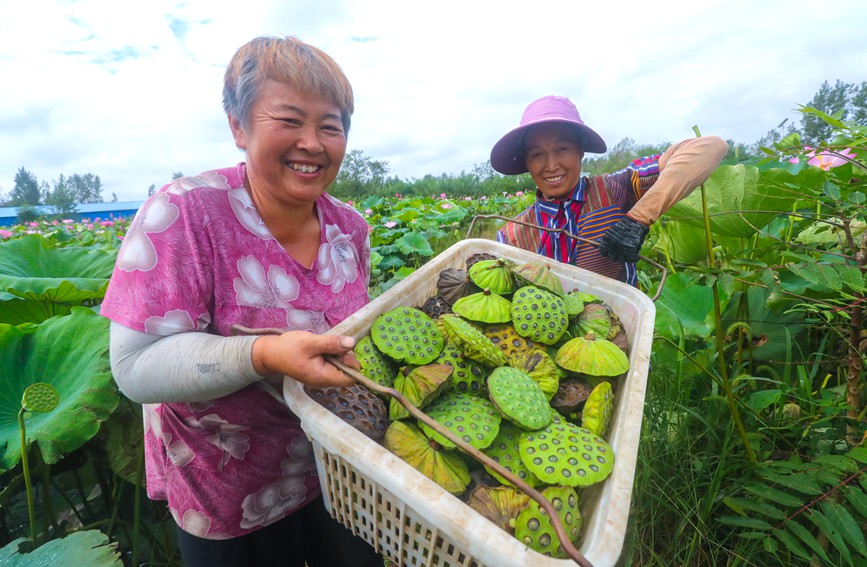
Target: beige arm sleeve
(682, 168)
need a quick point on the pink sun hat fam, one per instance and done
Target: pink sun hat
(506, 155)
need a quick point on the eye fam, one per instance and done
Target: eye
(291, 121)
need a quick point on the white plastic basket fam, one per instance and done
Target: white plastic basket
(410, 519)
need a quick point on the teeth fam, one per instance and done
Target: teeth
(554, 179)
(303, 168)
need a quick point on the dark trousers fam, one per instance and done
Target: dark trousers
(308, 537)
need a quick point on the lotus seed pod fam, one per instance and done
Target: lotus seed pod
(41, 397)
(468, 376)
(566, 454)
(478, 257)
(484, 307)
(407, 335)
(541, 368)
(571, 394)
(499, 504)
(356, 405)
(534, 528)
(446, 468)
(506, 452)
(519, 398)
(504, 336)
(540, 275)
(573, 304)
(616, 325)
(435, 306)
(454, 284)
(374, 364)
(420, 386)
(595, 318)
(472, 342)
(592, 356)
(495, 275)
(598, 409)
(539, 315)
(474, 420)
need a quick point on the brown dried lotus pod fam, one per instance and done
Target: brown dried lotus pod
(506, 452)
(407, 335)
(622, 341)
(541, 368)
(592, 356)
(571, 394)
(484, 307)
(478, 257)
(356, 405)
(446, 468)
(474, 420)
(495, 275)
(565, 454)
(504, 336)
(468, 376)
(420, 386)
(538, 274)
(539, 315)
(435, 306)
(533, 527)
(454, 284)
(374, 364)
(472, 342)
(598, 409)
(594, 318)
(499, 504)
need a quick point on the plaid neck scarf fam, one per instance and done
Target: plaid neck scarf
(561, 214)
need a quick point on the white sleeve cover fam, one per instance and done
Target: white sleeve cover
(184, 367)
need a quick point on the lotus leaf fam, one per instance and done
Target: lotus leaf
(90, 548)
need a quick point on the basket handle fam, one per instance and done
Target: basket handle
(660, 267)
(439, 428)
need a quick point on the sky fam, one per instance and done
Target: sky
(131, 91)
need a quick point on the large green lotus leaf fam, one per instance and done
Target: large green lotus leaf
(685, 305)
(773, 333)
(15, 311)
(32, 269)
(71, 354)
(682, 242)
(741, 199)
(122, 439)
(90, 548)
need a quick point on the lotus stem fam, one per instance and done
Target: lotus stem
(31, 509)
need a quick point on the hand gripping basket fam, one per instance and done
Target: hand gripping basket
(410, 519)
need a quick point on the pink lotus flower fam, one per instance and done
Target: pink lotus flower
(442, 195)
(368, 211)
(827, 159)
(390, 224)
(446, 205)
(519, 194)
(33, 224)
(5, 233)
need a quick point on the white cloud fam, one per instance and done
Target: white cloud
(131, 91)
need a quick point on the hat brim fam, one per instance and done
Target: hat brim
(506, 155)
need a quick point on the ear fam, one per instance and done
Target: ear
(238, 132)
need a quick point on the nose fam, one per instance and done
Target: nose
(309, 139)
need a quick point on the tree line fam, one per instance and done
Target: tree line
(361, 175)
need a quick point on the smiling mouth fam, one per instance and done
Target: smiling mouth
(303, 168)
(556, 179)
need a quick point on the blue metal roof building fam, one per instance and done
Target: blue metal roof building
(91, 211)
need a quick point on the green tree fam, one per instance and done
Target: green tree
(359, 175)
(63, 198)
(87, 187)
(26, 190)
(830, 100)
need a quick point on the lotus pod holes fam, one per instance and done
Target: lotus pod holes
(539, 315)
(534, 528)
(565, 454)
(374, 364)
(519, 398)
(41, 397)
(406, 334)
(474, 420)
(506, 452)
(356, 405)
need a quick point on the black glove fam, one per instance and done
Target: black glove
(623, 241)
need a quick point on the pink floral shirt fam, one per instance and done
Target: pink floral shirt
(198, 257)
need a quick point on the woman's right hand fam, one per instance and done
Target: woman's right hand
(301, 355)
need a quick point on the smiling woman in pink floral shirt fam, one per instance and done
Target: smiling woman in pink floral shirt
(258, 244)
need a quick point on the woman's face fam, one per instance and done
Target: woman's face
(294, 143)
(553, 159)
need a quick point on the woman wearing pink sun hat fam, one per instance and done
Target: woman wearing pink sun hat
(615, 209)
